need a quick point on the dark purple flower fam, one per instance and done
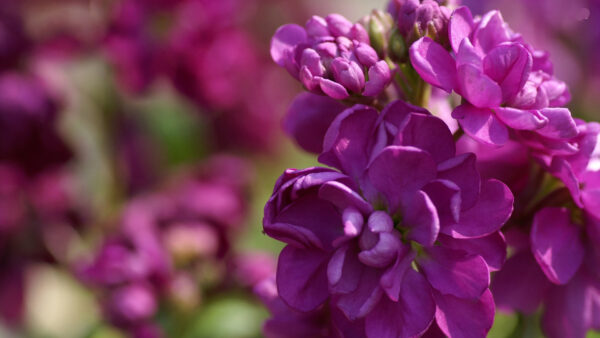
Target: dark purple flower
(331, 56)
(14, 41)
(406, 231)
(506, 84)
(28, 118)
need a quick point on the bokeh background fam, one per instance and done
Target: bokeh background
(103, 103)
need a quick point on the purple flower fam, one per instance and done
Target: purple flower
(163, 239)
(506, 84)
(406, 231)
(331, 56)
(28, 118)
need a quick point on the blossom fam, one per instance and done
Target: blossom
(331, 56)
(506, 84)
(404, 232)
(163, 238)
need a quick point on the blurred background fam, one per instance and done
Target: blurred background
(140, 140)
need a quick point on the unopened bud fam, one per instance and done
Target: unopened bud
(397, 47)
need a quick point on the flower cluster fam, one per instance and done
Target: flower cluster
(332, 56)
(408, 234)
(164, 241)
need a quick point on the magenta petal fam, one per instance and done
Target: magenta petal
(492, 248)
(344, 270)
(521, 119)
(572, 309)
(349, 74)
(338, 25)
(591, 201)
(302, 278)
(379, 77)
(333, 89)
(441, 147)
(395, 112)
(454, 272)
(460, 26)
(410, 316)
(391, 281)
(445, 195)
(399, 170)
(308, 118)
(347, 142)
(462, 171)
(285, 39)
(464, 318)
(420, 216)
(433, 63)
(481, 124)
(478, 88)
(509, 65)
(560, 126)
(342, 197)
(491, 211)
(361, 301)
(556, 244)
(384, 252)
(308, 222)
(491, 31)
(520, 285)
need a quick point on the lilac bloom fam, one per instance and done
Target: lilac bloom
(331, 56)
(404, 233)
(506, 84)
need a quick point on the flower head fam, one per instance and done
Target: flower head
(331, 56)
(390, 237)
(506, 84)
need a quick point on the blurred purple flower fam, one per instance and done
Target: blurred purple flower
(363, 238)
(162, 236)
(28, 118)
(331, 56)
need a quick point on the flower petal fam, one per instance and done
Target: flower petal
(460, 26)
(462, 171)
(492, 248)
(454, 272)
(302, 278)
(561, 124)
(361, 301)
(379, 77)
(285, 39)
(308, 118)
(521, 119)
(333, 89)
(492, 210)
(464, 318)
(433, 63)
(478, 88)
(481, 124)
(556, 244)
(398, 171)
(428, 133)
(509, 65)
(520, 285)
(410, 316)
(420, 217)
(347, 142)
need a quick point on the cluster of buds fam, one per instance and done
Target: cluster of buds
(331, 55)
